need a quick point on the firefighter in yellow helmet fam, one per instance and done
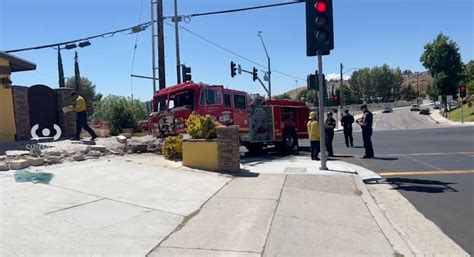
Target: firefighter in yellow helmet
(314, 136)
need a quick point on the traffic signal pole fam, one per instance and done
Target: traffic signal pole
(321, 113)
(176, 32)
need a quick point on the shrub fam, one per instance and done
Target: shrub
(119, 112)
(172, 148)
(201, 127)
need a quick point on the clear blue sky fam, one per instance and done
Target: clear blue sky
(367, 33)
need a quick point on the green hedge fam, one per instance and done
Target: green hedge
(119, 112)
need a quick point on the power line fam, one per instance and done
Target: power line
(234, 53)
(245, 9)
(145, 25)
(135, 49)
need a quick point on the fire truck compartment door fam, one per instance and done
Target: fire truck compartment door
(261, 124)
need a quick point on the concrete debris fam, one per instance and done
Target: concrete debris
(13, 153)
(140, 148)
(3, 157)
(121, 139)
(99, 148)
(53, 153)
(94, 153)
(52, 159)
(3, 166)
(115, 152)
(127, 135)
(18, 164)
(35, 161)
(35, 152)
(78, 157)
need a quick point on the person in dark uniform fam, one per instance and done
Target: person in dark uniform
(329, 126)
(366, 124)
(346, 122)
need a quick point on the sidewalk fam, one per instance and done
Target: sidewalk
(439, 119)
(284, 215)
(139, 205)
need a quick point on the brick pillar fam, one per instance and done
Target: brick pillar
(67, 121)
(228, 149)
(22, 113)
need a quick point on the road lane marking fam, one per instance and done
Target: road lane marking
(427, 154)
(434, 172)
(424, 163)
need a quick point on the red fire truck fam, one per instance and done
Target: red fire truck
(261, 122)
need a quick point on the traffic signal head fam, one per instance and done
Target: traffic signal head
(313, 82)
(254, 74)
(186, 73)
(233, 69)
(462, 91)
(319, 27)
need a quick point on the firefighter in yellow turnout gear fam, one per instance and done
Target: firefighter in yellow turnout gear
(314, 136)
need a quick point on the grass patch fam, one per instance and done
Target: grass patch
(455, 115)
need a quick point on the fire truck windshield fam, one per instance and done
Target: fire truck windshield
(160, 104)
(181, 101)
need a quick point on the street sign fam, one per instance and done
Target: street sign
(239, 69)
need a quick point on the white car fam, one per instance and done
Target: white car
(415, 108)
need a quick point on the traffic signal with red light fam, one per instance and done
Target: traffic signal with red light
(319, 27)
(254, 74)
(233, 69)
(462, 91)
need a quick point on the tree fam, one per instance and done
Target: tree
(77, 74)
(407, 72)
(307, 96)
(60, 69)
(87, 90)
(469, 77)
(408, 93)
(283, 96)
(443, 60)
(360, 83)
(119, 112)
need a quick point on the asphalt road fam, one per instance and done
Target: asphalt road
(431, 165)
(433, 168)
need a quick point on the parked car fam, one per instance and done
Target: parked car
(387, 109)
(425, 111)
(414, 108)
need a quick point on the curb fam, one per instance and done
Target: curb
(398, 244)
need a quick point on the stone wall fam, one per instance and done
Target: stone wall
(22, 113)
(228, 149)
(67, 121)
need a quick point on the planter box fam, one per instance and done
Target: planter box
(201, 154)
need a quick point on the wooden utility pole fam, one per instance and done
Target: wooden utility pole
(153, 55)
(161, 46)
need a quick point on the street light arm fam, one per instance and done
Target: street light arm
(264, 47)
(350, 70)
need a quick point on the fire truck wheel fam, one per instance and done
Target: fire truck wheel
(254, 147)
(289, 140)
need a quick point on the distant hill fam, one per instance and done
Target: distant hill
(424, 79)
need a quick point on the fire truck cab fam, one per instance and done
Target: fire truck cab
(261, 122)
